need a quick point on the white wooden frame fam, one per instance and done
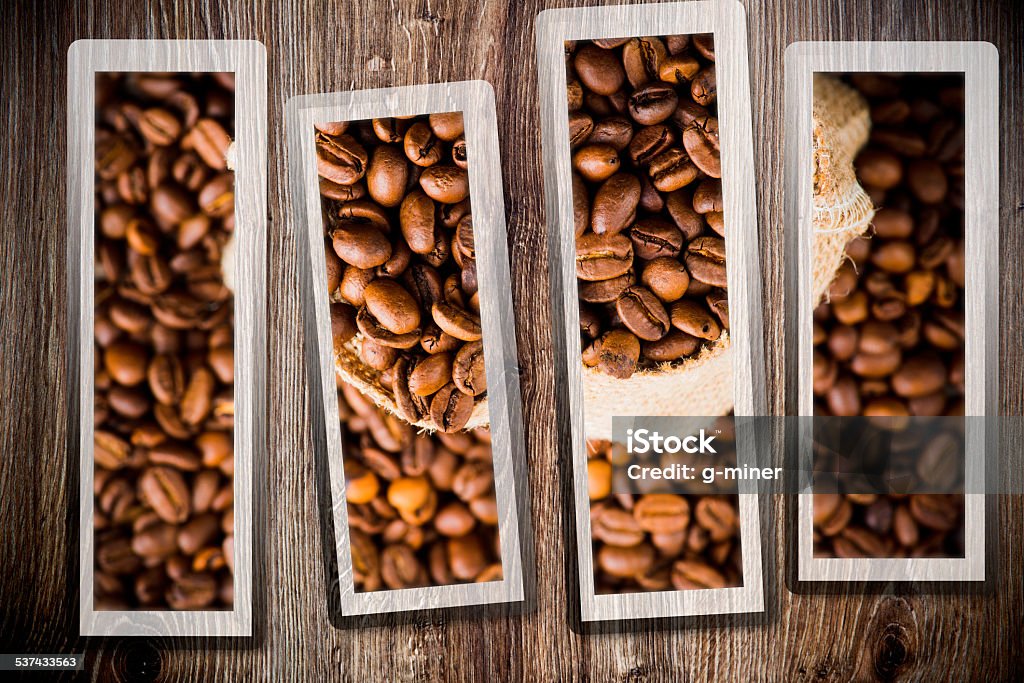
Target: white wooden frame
(475, 99)
(247, 60)
(726, 19)
(979, 62)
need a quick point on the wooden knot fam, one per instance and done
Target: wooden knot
(137, 660)
(890, 651)
(891, 641)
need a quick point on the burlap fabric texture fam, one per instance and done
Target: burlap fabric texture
(842, 209)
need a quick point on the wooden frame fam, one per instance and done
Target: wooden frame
(475, 99)
(247, 60)
(980, 64)
(727, 21)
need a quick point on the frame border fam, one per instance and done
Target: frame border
(475, 99)
(248, 61)
(979, 61)
(727, 20)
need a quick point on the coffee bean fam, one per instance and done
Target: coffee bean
(673, 346)
(456, 321)
(210, 140)
(599, 70)
(690, 317)
(648, 143)
(468, 369)
(448, 126)
(662, 513)
(614, 205)
(691, 575)
(450, 408)
(596, 162)
(392, 306)
(421, 145)
(615, 131)
(643, 313)
(653, 103)
(654, 238)
(702, 144)
(703, 87)
(387, 175)
(672, 170)
(362, 246)
(603, 257)
(666, 277)
(617, 353)
(341, 159)
(446, 184)
(625, 562)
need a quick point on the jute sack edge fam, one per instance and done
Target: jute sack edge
(842, 209)
(699, 386)
(354, 371)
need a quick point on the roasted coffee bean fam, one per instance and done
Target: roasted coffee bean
(702, 145)
(654, 238)
(392, 306)
(421, 145)
(617, 353)
(164, 336)
(705, 259)
(603, 257)
(666, 277)
(614, 205)
(596, 162)
(904, 309)
(439, 510)
(662, 513)
(387, 175)
(341, 159)
(450, 408)
(655, 542)
(468, 371)
(673, 346)
(431, 374)
(599, 70)
(653, 103)
(642, 313)
(691, 575)
(615, 131)
(625, 562)
(360, 245)
(445, 184)
(692, 318)
(648, 143)
(646, 156)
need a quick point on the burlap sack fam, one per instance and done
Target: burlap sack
(352, 370)
(842, 209)
(699, 386)
(703, 385)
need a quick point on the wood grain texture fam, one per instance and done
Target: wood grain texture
(323, 46)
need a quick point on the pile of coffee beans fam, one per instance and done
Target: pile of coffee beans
(647, 198)
(855, 525)
(658, 541)
(401, 261)
(164, 342)
(889, 339)
(421, 507)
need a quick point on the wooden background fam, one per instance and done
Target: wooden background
(321, 46)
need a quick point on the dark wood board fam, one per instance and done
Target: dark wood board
(323, 46)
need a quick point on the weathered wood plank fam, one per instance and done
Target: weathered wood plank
(321, 46)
